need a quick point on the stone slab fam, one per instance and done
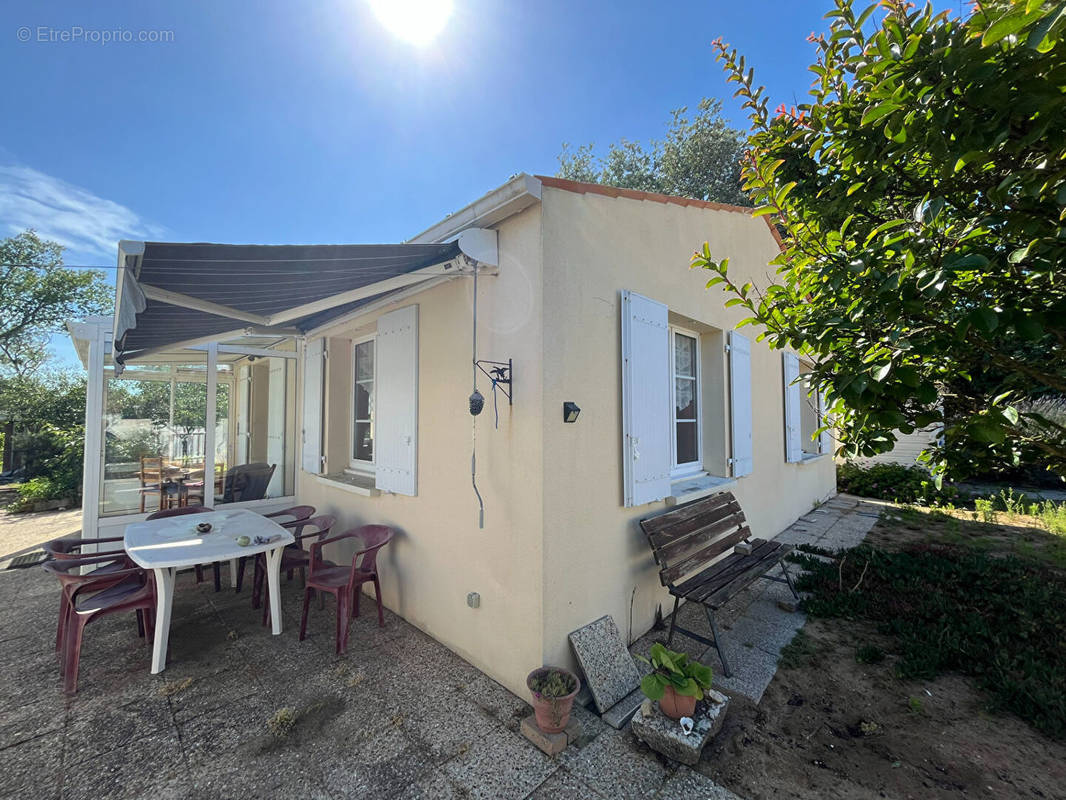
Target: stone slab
(550, 743)
(618, 715)
(609, 669)
(664, 735)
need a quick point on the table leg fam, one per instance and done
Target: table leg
(164, 599)
(273, 558)
(233, 573)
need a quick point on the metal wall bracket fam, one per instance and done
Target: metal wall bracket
(501, 373)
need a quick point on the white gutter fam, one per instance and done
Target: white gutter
(518, 194)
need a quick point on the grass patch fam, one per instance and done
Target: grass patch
(998, 618)
(798, 653)
(282, 722)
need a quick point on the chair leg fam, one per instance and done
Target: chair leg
(718, 643)
(377, 594)
(140, 623)
(356, 591)
(70, 683)
(218, 576)
(257, 582)
(342, 618)
(61, 626)
(303, 617)
(673, 622)
(788, 580)
(240, 573)
(199, 574)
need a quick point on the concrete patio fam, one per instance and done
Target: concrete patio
(398, 716)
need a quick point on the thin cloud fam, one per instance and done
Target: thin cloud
(86, 224)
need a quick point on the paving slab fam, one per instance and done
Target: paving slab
(686, 784)
(606, 663)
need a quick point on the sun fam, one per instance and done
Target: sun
(415, 21)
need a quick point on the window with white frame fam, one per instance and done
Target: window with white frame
(685, 393)
(363, 396)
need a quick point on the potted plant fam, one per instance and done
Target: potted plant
(553, 690)
(676, 681)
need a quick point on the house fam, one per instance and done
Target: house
(350, 368)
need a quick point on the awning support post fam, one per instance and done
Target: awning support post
(93, 458)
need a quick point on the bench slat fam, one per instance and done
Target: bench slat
(689, 586)
(715, 548)
(686, 511)
(668, 554)
(730, 568)
(696, 523)
(729, 590)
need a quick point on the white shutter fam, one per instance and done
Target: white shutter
(825, 438)
(793, 442)
(396, 404)
(314, 356)
(646, 417)
(740, 403)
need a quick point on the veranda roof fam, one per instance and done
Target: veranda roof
(171, 293)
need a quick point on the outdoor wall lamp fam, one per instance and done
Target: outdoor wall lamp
(570, 411)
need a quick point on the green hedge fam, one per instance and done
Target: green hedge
(893, 482)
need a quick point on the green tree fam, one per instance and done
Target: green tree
(37, 296)
(700, 158)
(921, 195)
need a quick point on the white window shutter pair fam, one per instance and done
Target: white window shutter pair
(792, 391)
(740, 403)
(396, 406)
(645, 400)
(314, 374)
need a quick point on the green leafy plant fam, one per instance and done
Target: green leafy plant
(920, 198)
(985, 509)
(669, 668)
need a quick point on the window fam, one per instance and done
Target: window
(685, 389)
(364, 373)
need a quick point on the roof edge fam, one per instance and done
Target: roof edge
(581, 187)
(516, 195)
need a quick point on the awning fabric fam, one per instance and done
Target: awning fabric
(178, 292)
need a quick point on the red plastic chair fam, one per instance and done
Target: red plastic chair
(127, 589)
(71, 548)
(299, 514)
(344, 582)
(180, 512)
(293, 557)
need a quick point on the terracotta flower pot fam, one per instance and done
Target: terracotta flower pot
(675, 705)
(552, 713)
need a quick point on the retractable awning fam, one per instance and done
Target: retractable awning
(183, 293)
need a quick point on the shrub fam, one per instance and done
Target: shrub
(893, 482)
(998, 619)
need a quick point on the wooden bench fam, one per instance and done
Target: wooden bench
(687, 539)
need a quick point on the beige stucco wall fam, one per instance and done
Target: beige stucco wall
(596, 560)
(440, 554)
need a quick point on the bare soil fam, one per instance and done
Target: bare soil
(830, 727)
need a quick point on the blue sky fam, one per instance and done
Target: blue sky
(275, 121)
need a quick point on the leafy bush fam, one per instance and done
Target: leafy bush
(999, 619)
(893, 482)
(59, 475)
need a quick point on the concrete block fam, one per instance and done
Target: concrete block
(664, 735)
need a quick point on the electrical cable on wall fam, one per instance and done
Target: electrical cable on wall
(477, 403)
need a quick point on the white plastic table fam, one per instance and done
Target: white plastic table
(165, 545)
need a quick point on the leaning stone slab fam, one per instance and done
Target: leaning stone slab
(664, 735)
(618, 715)
(609, 669)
